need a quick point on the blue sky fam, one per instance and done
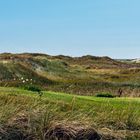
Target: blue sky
(71, 27)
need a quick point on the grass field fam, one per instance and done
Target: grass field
(25, 113)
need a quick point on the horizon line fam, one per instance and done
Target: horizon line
(73, 56)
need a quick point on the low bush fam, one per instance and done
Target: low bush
(106, 95)
(33, 88)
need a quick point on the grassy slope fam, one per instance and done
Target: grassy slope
(118, 115)
(85, 75)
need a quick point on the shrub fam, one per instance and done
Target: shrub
(106, 95)
(33, 88)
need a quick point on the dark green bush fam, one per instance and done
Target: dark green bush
(33, 88)
(106, 95)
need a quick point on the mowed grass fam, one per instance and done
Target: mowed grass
(53, 108)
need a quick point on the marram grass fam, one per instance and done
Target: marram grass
(33, 115)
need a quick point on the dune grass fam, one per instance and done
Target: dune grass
(32, 114)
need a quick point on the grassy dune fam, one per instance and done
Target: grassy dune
(24, 113)
(86, 75)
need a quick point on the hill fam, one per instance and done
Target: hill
(86, 75)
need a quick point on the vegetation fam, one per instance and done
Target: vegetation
(23, 114)
(107, 95)
(33, 88)
(92, 107)
(85, 75)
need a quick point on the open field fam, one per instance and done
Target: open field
(24, 114)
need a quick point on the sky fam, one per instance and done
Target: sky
(71, 27)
